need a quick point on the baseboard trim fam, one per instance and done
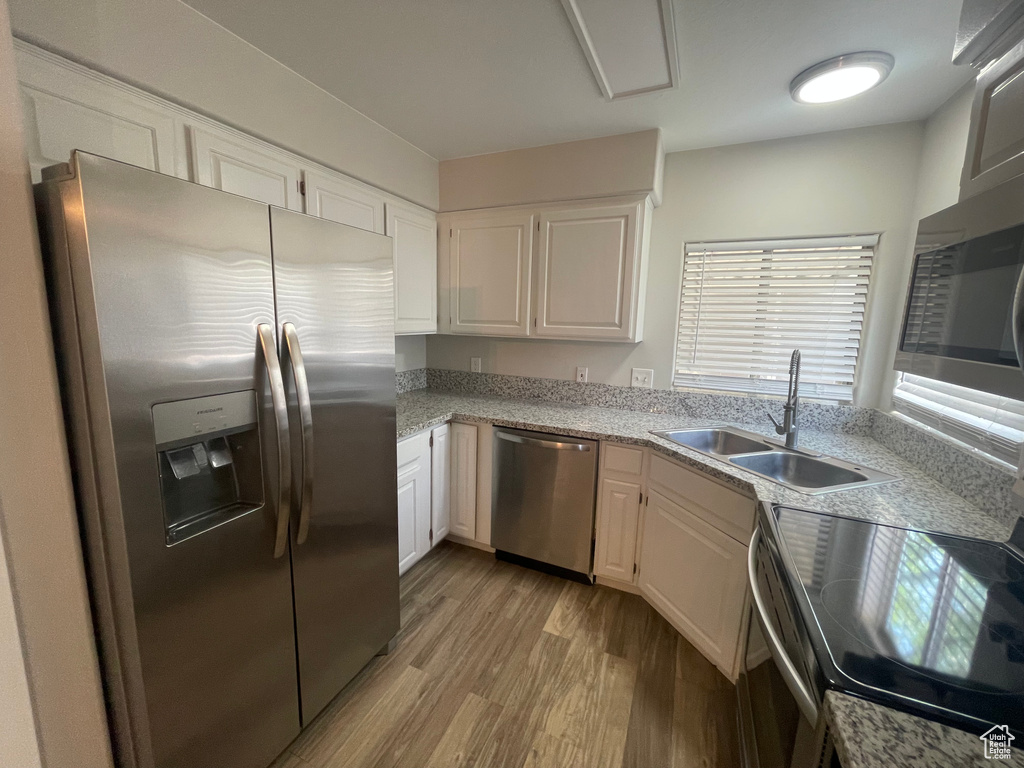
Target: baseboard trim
(469, 542)
(622, 586)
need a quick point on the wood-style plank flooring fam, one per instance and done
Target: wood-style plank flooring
(498, 666)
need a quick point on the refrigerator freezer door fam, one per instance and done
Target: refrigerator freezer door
(158, 287)
(334, 285)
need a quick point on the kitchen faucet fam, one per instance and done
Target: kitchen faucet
(789, 427)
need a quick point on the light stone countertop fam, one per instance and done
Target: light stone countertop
(916, 501)
(867, 735)
(870, 735)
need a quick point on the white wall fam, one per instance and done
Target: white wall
(942, 154)
(625, 164)
(846, 182)
(410, 353)
(170, 49)
(43, 571)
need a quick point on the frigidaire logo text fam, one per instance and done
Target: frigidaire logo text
(209, 410)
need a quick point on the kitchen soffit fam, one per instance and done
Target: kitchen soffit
(631, 47)
(463, 78)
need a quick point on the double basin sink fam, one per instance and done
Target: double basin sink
(790, 467)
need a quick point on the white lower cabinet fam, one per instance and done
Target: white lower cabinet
(463, 502)
(440, 483)
(414, 499)
(619, 499)
(695, 576)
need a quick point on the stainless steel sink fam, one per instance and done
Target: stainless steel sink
(792, 468)
(716, 441)
(810, 475)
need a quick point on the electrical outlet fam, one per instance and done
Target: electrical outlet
(474, 364)
(642, 377)
(581, 374)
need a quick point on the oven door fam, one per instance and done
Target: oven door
(779, 707)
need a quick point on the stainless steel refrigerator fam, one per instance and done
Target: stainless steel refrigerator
(228, 373)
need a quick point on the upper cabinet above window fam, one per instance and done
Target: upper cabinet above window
(560, 271)
(995, 144)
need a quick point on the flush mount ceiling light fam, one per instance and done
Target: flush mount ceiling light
(841, 77)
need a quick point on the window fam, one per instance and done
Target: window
(991, 423)
(745, 306)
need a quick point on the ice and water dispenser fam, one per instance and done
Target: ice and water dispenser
(210, 466)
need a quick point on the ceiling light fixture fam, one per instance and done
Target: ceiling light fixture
(841, 77)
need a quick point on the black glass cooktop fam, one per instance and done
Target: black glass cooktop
(930, 623)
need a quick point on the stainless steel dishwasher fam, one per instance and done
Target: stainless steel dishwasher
(542, 507)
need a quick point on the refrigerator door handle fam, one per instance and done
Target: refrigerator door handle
(291, 338)
(277, 397)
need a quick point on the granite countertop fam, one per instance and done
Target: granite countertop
(916, 501)
(867, 735)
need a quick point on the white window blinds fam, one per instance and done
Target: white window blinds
(745, 306)
(991, 423)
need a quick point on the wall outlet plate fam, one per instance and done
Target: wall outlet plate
(642, 377)
(474, 364)
(581, 374)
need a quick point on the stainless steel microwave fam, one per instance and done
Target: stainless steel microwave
(959, 321)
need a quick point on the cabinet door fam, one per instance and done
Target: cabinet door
(995, 142)
(490, 261)
(463, 500)
(413, 500)
(65, 109)
(414, 231)
(587, 272)
(695, 576)
(248, 169)
(338, 199)
(618, 505)
(440, 484)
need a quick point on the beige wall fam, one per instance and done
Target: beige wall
(18, 745)
(613, 165)
(166, 47)
(847, 182)
(37, 513)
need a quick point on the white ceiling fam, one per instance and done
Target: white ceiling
(465, 77)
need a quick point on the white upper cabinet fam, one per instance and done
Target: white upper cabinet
(589, 281)
(490, 260)
(588, 262)
(338, 199)
(414, 231)
(245, 168)
(67, 109)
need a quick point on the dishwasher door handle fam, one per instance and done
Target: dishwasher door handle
(553, 444)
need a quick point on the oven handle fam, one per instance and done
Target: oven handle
(1018, 319)
(806, 702)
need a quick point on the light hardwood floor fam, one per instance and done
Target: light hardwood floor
(498, 666)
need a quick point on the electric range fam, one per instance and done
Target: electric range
(928, 623)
